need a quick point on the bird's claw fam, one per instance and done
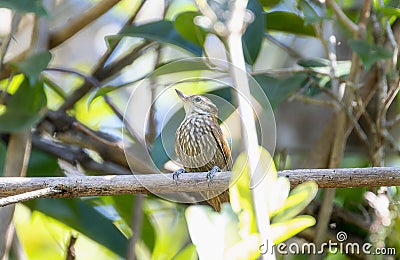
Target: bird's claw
(176, 174)
(211, 174)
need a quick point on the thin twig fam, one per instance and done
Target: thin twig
(342, 16)
(393, 43)
(359, 131)
(74, 154)
(105, 73)
(314, 101)
(53, 86)
(391, 141)
(45, 192)
(114, 108)
(77, 24)
(71, 255)
(285, 71)
(4, 46)
(88, 78)
(324, 215)
(70, 132)
(136, 225)
(151, 128)
(337, 148)
(119, 64)
(4, 94)
(98, 71)
(284, 46)
(390, 98)
(393, 123)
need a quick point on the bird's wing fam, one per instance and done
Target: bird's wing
(222, 144)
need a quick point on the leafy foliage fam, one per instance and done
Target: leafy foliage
(254, 35)
(34, 6)
(80, 216)
(161, 31)
(369, 53)
(33, 66)
(234, 230)
(184, 24)
(168, 230)
(24, 108)
(278, 90)
(293, 23)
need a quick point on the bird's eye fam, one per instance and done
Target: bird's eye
(197, 99)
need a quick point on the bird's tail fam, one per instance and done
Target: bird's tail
(216, 199)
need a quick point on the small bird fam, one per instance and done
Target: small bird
(200, 144)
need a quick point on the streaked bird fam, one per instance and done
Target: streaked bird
(200, 144)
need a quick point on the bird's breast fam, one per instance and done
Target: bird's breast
(195, 145)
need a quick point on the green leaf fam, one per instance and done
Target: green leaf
(369, 53)
(24, 108)
(26, 6)
(322, 66)
(3, 152)
(168, 222)
(266, 185)
(42, 164)
(350, 198)
(179, 66)
(254, 35)
(241, 195)
(148, 233)
(278, 90)
(390, 11)
(161, 31)
(184, 24)
(34, 65)
(298, 199)
(120, 208)
(292, 23)
(123, 204)
(310, 12)
(99, 93)
(107, 207)
(313, 62)
(189, 253)
(78, 215)
(287, 229)
(269, 3)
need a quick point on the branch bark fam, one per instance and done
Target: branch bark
(110, 185)
(74, 26)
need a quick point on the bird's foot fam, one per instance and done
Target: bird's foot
(176, 174)
(211, 174)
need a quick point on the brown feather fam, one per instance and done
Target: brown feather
(200, 144)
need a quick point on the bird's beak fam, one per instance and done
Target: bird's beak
(181, 95)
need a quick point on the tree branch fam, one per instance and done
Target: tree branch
(45, 192)
(110, 185)
(74, 26)
(342, 16)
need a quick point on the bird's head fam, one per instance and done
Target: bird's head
(197, 104)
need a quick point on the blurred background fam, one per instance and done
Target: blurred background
(112, 70)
